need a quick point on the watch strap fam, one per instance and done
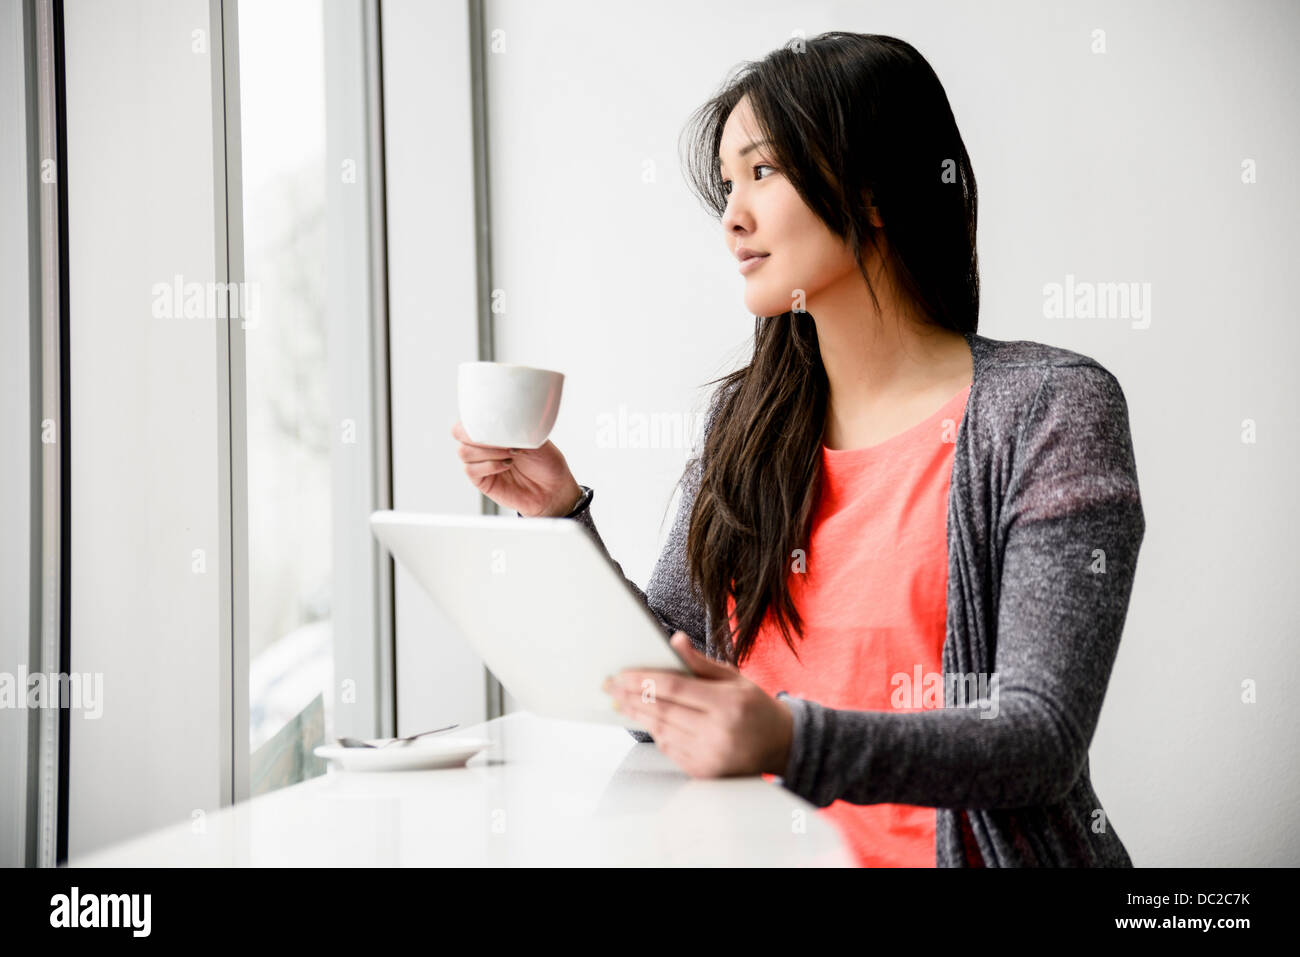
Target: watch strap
(587, 494)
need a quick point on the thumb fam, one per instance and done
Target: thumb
(701, 665)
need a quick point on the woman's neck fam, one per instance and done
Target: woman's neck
(884, 380)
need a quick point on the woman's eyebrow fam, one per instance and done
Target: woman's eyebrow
(748, 149)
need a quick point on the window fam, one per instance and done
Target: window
(311, 441)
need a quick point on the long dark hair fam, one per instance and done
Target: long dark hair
(853, 120)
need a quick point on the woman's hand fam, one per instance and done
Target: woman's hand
(712, 724)
(533, 482)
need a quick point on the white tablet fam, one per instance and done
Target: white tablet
(542, 605)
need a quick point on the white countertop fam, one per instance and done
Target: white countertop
(546, 792)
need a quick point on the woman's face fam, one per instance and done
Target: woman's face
(765, 213)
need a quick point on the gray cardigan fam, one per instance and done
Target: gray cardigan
(1044, 526)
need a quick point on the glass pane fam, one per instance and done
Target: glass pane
(282, 107)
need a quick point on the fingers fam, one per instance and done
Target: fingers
(471, 453)
(682, 749)
(478, 470)
(690, 692)
(657, 715)
(460, 435)
(680, 755)
(675, 727)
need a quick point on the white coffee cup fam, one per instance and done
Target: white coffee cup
(507, 405)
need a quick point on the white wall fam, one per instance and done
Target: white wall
(1115, 167)
(144, 420)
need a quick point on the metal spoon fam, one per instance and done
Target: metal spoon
(358, 743)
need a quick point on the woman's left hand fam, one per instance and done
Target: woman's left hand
(714, 723)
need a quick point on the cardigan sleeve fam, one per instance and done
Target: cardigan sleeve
(1069, 532)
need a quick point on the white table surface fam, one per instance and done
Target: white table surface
(547, 792)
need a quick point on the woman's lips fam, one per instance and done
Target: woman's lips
(753, 262)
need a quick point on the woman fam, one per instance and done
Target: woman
(902, 561)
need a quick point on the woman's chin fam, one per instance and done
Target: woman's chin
(760, 305)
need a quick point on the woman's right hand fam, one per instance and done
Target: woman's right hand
(533, 482)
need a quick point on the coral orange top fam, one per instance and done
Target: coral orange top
(872, 594)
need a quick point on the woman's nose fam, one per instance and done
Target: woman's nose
(735, 218)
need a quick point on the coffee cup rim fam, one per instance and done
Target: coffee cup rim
(510, 365)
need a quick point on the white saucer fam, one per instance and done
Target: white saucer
(416, 756)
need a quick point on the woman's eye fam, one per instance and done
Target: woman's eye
(726, 183)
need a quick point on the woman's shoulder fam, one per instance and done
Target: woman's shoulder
(1050, 426)
(1015, 376)
(1012, 354)
(1032, 397)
